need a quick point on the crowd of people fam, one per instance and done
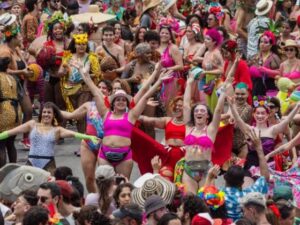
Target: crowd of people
(221, 78)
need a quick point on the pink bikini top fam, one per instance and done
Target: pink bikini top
(120, 127)
(166, 58)
(203, 141)
(292, 75)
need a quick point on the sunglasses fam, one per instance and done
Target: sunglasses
(43, 199)
(289, 49)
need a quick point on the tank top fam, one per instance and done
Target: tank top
(41, 147)
(174, 131)
(119, 127)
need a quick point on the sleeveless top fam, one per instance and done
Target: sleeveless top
(174, 131)
(166, 58)
(203, 141)
(119, 127)
(94, 123)
(41, 147)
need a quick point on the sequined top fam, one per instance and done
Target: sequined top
(9, 106)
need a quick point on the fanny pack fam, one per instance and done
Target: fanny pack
(115, 156)
(198, 165)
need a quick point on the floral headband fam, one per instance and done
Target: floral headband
(217, 10)
(80, 38)
(57, 17)
(170, 22)
(260, 101)
(213, 197)
(271, 36)
(11, 31)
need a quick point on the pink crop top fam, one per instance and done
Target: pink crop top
(203, 141)
(292, 75)
(120, 127)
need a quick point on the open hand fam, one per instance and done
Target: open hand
(152, 102)
(156, 163)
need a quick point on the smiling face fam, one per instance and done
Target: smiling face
(201, 115)
(265, 44)
(81, 48)
(290, 52)
(103, 88)
(165, 35)
(47, 116)
(260, 115)
(58, 31)
(241, 95)
(20, 206)
(120, 103)
(108, 36)
(285, 28)
(178, 109)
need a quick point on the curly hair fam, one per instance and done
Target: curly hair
(193, 205)
(57, 114)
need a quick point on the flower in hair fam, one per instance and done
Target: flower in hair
(260, 101)
(80, 38)
(11, 31)
(275, 210)
(170, 22)
(269, 34)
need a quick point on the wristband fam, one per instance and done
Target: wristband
(4, 135)
(81, 136)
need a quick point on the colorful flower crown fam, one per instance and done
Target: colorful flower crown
(213, 197)
(80, 38)
(57, 17)
(11, 31)
(216, 9)
(170, 22)
(260, 101)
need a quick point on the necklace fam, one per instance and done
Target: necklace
(176, 121)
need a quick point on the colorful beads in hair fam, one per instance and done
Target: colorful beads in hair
(213, 197)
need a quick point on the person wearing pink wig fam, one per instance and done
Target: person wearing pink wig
(213, 65)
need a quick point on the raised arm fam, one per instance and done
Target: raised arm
(187, 99)
(140, 106)
(24, 128)
(280, 127)
(99, 97)
(148, 83)
(79, 113)
(287, 146)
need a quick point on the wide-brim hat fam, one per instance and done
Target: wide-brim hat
(290, 43)
(7, 19)
(119, 93)
(155, 186)
(263, 7)
(93, 14)
(148, 4)
(168, 4)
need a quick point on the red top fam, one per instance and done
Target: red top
(174, 131)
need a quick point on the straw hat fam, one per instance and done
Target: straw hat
(93, 14)
(148, 4)
(119, 93)
(263, 7)
(290, 43)
(155, 186)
